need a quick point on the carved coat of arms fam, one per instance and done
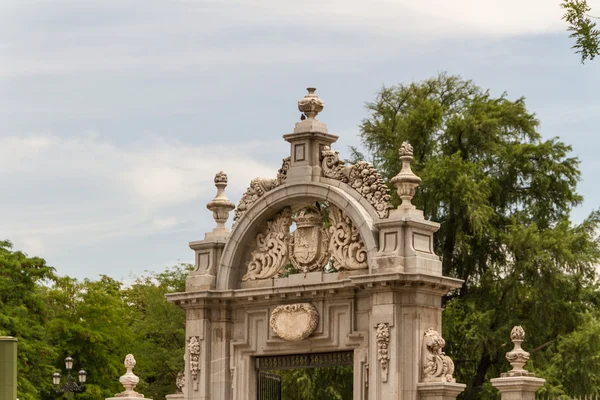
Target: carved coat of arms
(308, 247)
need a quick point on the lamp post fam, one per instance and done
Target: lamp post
(70, 386)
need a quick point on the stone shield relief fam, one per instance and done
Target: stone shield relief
(320, 239)
(294, 322)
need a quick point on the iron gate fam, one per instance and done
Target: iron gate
(269, 386)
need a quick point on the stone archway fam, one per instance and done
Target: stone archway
(367, 284)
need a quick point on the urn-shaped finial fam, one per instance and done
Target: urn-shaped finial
(221, 206)
(517, 357)
(406, 182)
(129, 380)
(311, 104)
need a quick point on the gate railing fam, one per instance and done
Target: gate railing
(585, 397)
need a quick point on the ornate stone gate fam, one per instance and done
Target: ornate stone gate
(318, 261)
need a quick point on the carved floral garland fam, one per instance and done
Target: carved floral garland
(258, 187)
(362, 176)
(194, 351)
(382, 334)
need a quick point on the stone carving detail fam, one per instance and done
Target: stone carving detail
(180, 381)
(406, 182)
(129, 380)
(382, 333)
(436, 366)
(517, 357)
(294, 322)
(194, 352)
(308, 246)
(272, 253)
(311, 246)
(346, 247)
(258, 187)
(362, 177)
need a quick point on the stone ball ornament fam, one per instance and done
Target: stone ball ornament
(294, 322)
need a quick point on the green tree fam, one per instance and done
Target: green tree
(23, 314)
(503, 196)
(159, 329)
(583, 28)
(89, 323)
(325, 383)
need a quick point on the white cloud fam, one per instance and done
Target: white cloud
(70, 191)
(62, 37)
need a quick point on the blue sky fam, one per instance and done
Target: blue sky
(115, 115)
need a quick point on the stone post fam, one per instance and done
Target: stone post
(8, 367)
(517, 384)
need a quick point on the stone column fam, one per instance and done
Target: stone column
(8, 367)
(518, 384)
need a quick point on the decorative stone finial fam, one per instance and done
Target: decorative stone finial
(517, 357)
(311, 104)
(406, 181)
(221, 206)
(129, 380)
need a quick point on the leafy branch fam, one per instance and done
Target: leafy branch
(583, 28)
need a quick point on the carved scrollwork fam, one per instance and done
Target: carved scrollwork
(346, 247)
(271, 254)
(382, 334)
(362, 177)
(258, 187)
(436, 366)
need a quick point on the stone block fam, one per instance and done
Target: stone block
(518, 387)
(439, 390)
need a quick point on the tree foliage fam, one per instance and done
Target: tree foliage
(503, 196)
(583, 28)
(97, 322)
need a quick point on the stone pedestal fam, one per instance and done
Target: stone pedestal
(440, 390)
(518, 387)
(179, 396)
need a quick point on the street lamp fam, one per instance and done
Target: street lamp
(69, 386)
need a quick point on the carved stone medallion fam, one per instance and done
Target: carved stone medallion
(294, 322)
(308, 248)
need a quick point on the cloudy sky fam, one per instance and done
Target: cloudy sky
(116, 114)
